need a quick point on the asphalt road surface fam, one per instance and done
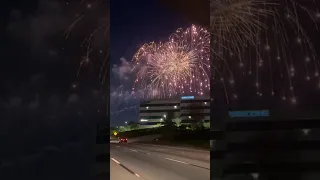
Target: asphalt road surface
(140, 161)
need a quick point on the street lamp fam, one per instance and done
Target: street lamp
(126, 122)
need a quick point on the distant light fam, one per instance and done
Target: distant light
(305, 131)
(147, 107)
(126, 122)
(307, 59)
(143, 120)
(164, 116)
(267, 47)
(161, 119)
(255, 175)
(299, 40)
(205, 102)
(308, 78)
(189, 117)
(175, 107)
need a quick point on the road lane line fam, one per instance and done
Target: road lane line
(187, 163)
(200, 166)
(176, 161)
(115, 161)
(126, 168)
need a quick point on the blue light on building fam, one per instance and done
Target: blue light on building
(187, 97)
(249, 114)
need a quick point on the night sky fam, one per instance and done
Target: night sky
(132, 26)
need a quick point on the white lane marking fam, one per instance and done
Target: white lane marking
(176, 161)
(115, 161)
(119, 163)
(133, 150)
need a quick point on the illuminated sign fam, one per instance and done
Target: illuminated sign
(187, 97)
(249, 114)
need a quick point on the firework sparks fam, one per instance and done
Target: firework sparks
(266, 40)
(179, 66)
(86, 10)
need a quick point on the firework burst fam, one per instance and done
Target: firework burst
(179, 66)
(265, 40)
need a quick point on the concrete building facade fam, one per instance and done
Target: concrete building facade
(186, 110)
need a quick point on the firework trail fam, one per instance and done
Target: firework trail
(179, 66)
(91, 22)
(86, 10)
(264, 39)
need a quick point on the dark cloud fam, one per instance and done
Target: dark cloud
(54, 101)
(52, 53)
(73, 98)
(14, 102)
(34, 104)
(35, 30)
(35, 79)
(2, 103)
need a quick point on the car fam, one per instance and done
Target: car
(123, 140)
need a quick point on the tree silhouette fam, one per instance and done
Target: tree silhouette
(177, 121)
(133, 125)
(197, 115)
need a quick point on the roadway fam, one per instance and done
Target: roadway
(140, 161)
